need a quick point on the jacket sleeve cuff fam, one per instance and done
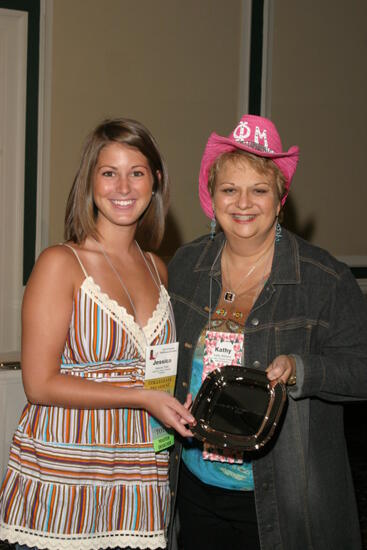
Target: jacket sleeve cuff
(296, 391)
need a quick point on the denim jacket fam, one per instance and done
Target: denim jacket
(310, 307)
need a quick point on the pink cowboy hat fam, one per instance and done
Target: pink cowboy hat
(256, 135)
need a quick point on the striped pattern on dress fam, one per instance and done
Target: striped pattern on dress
(85, 479)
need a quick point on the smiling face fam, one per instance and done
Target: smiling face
(246, 201)
(122, 186)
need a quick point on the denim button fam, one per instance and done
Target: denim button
(255, 321)
(256, 364)
(184, 384)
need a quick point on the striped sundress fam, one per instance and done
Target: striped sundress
(89, 479)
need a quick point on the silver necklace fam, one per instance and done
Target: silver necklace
(230, 295)
(110, 263)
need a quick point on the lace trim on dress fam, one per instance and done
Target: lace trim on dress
(159, 316)
(52, 541)
(141, 336)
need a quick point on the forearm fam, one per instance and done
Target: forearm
(330, 377)
(72, 392)
(337, 368)
(76, 393)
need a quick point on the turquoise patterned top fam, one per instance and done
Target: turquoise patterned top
(220, 474)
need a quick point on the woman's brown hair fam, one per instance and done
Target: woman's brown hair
(81, 212)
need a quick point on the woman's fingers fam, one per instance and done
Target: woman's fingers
(183, 410)
(174, 418)
(182, 430)
(281, 369)
(188, 401)
(187, 405)
(170, 412)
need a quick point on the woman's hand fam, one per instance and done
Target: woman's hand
(187, 405)
(188, 402)
(281, 369)
(168, 410)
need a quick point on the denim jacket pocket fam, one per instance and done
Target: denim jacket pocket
(293, 336)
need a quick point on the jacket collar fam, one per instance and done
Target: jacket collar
(286, 263)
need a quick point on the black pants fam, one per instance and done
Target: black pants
(212, 518)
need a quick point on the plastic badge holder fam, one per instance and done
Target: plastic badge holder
(237, 408)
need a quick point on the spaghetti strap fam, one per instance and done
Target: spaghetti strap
(77, 257)
(159, 284)
(155, 267)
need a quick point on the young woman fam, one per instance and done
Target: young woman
(83, 471)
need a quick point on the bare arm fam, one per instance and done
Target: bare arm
(46, 313)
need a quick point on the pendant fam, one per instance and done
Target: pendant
(229, 296)
(237, 315)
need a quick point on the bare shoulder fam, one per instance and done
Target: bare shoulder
(56, 265)
(55, 258)
(162, 268)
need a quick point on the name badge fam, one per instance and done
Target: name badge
(160, 374)
(222, 348)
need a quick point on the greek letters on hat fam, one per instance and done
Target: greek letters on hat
(242, 133)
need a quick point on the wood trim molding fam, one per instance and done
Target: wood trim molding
(358, 265)
(44, 126)
(244, 57)
(13, 83)
(267, 58)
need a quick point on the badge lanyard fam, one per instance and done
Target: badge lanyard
(220, 349)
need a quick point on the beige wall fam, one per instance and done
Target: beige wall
(175, 66)
(319, 91)
(172, 64)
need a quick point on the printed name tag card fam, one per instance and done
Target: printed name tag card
(222, 348)
(160, 374)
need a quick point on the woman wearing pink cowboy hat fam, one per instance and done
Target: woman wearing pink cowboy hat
(293, 312)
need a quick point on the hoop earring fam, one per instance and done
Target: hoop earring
(213, 226)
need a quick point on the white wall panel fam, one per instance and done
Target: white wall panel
(13, 72)
(12, 401)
